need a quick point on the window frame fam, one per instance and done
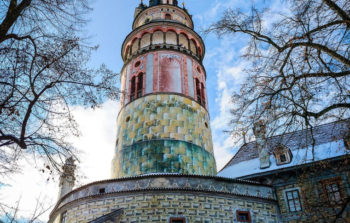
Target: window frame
(281, 150)
(200, 96)
(284, 156)
(332, 181)
(136, 86)
(293, 199)
(177, 219)
(243, 212)
(63, 217)
(168, 16)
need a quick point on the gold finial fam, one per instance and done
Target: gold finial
(183, 4)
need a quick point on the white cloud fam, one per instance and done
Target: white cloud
(98, 132)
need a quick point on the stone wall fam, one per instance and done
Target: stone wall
(158, 197)
(314, 199)
(159, 207)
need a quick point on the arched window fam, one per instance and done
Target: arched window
(145, 40)
(139, 85)
(132, 89)
(171, 38)
(135, 46)
(193, 47)
(198, 91)
(136, 88)
(183, 41)
(202, 94)
(158, 38)
(167, 16)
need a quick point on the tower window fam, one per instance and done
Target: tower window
(136, 87)
(168, 16)
(243, 216)
(140, 85)
(138, 63)
(102, 190)
(132, 89)
(200, 93)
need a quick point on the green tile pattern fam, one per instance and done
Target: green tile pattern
(164, 156)
(163, 133)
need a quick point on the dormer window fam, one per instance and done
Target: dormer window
(283, 158)
(283, 155)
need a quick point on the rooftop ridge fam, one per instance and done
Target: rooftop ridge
(286, 135)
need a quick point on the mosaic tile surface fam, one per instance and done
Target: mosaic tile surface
(163, 133)
(163, 156)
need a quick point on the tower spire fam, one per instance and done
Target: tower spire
(67, 178)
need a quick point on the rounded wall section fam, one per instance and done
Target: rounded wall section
(160, 36)
(164, 71)
(163, 12)
(163, 133)
(158, 198)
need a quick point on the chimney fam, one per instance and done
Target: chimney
(260, 135)
(67, 178)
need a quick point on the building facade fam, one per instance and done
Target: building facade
(308, 170)
(164, 168)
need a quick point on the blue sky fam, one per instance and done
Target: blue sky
(110, 22)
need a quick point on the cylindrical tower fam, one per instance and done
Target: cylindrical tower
(163, 125)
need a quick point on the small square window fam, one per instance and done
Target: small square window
(177, 220)
(102, 190)
(283, 158)
(243, 216)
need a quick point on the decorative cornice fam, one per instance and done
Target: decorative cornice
(162, 5)
(159, 22)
